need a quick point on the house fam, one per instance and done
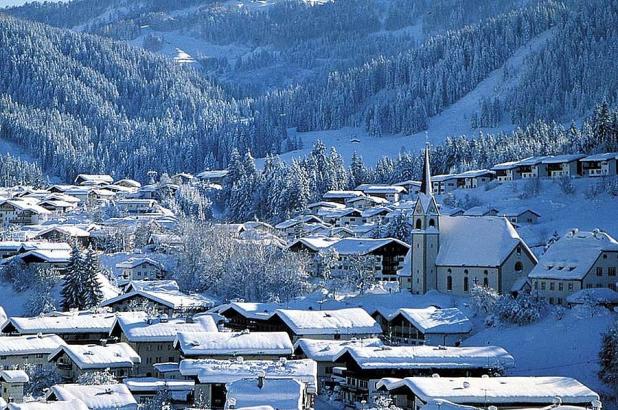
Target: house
(365, 366)
(72, 327)
(213, 176)
(17, 352)
(163, 296)
(165, 242)
(73, 361)
(128, 183)
(480, 211)
(532, 167)
(312, 246)
(443, 184)
(412, 187)
(347, 217)
(392, 193)
(325, 324)
(66, 234)
(506, 171)
(520, 215)
(12, 382)
(294, 228)
(429, 326)
(341, 197)
(564, 165)
(579, 260)
(153, 337)
(600, 165)
(57, 205)
(45, 258)
(12, 248)
(212, 376)
(140, 269)
(475, 178)
(134, 206)
(95, 397)
(146, 389)
(315, 207)
(364, 202)
(275, 393)
(323, 352)
(86, 179)
(225, 345)
(375, 215)
(253, 316)
(451, 254)
(21, 212)
(412, 393)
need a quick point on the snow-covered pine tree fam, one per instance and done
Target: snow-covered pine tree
(73, 287)
(92, 294)
(608, 357)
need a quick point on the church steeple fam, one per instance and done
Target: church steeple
(426, 186)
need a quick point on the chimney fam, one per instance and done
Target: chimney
(261, 378)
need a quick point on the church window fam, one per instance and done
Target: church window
(432, 222)
(465, 284)
(418, 224)
(519, 266)
(449, 282)
(486, 281)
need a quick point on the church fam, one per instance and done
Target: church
(453, 253)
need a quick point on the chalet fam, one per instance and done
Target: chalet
(323, 352)
(365, 366)
(45, 258)
(101, 195)
(128, 183)
(83, 193)
(532, 167)
(341, 197)
(153, 337)
(506, 171)
(215, 176)
(65, 233)
(375, 215)
(366, 202)
(579, 260)
(72, 327)
(520, 215)
(412, 393)
(163, 242)
(253, 316)
(475, 178)
(95, 397)
(315, 207)
(17, 352)
(391, 193)
(74, 360)
(140, 269)
(564, 165)
(294, 228)
(481, 211)
(133, 206)
(348, 217)
(429, 326)
(443, 184)
(12, 382)
(412, 187)
(12, 248)
(274, 393)
(600, 165)
(324, 324)
(21, 212)
(85, 179)
(164, 296)
(57, 205)
(312, 246)
(225, 345)
(212, 376)
(146, 389)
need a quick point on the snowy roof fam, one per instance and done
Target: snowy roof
(47, 255)
(132, 263)
(69, 230)
(128, 182)
(533, 160)
(342, 194)
(442, 177)
(138, 327)
(152, 384)
(29, 344)
(429, 357)
(315, 243)
(281, 394)
(213, 174)
(49, 405)
(97, 397)
(160, 292)
(598, 296)
(572, 256)
(14, 376)
(298, 220)
(260, 311)
(601, 157)
(558, 159)
(516, 211)
(61, 323)
(372, 199)
(227, 371)
(475, 173)
(233, 343)
(410, 182)
(95, 178)
(375, 211)
(434, 320)
(326, 322)
(505, 165)
(99, 357)
(479, 211)
(326, 350)
(459, 244)
(363, 246)
(24, 205)
(383, 189)
(498, 391)
(325, 204)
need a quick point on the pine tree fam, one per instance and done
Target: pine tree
(608, 357)
(92, 294)
(73, 287)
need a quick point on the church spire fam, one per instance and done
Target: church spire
(426, 186)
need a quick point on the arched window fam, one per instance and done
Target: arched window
(418, 224)
(465, 271)
(486, 281)
(465, 283)
(432, 222)
(519, 266)
(449, 282)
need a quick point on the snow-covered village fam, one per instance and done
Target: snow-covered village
(308, 205)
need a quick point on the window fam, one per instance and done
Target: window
(449, 282)
(551, 286)
(560, 286)
(519, 266)
(599, 271)
(432, 222)
(418, 224)
(465, 271)
(536, 285)
(518, 249)
(570, 286)
(611, 271)
(543, 285)
(486, 282)
(465, 284)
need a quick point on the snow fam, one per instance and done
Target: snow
(363, 246)
(480, 211)
(136, 327)
(99, 357)
(599, 296)
(61, 323)
(498, 391)
(233, 343)
(429, 357)
(601, 157)
(559, 159)
(567, 347)
(282, 394)
(27, 345)
(353, 321)
(327, 350)
(261, 311)
(97, 397)
(316, 243)
(573, 255)
(226, 371)
(152, 384)
(14, 376)
(49, 405)
(434, 320)
(172, 298)
(459, 241)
